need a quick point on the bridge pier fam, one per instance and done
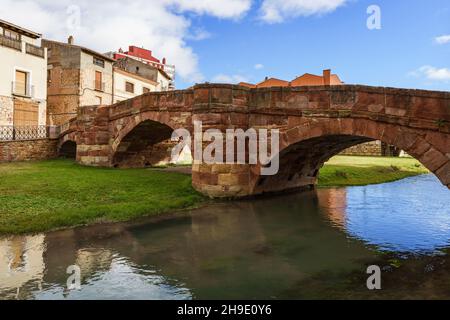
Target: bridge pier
(93, 139)
(222, 180)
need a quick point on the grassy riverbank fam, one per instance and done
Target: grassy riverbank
(358, 171)
(41, 196)
(46, 195)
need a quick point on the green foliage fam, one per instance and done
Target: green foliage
(440, 123)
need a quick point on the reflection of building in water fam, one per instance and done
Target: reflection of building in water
(21, 261)
(335, 203)
(68, 247)
(93, 260)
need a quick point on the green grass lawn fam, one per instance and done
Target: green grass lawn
(47, 195)
(41, 196)
(356, 171)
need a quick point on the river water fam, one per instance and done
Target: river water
(309, 245)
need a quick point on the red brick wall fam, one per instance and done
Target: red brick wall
(28, 150)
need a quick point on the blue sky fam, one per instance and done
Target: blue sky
(339, 40)
(223, 40)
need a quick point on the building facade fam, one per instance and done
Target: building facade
(165, 72)
(77, 77)
(23, 79)
(133, 78)
(308, 79)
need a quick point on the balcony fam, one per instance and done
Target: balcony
(22, 90)
(10, 43)
(24, 47)
(35, 50)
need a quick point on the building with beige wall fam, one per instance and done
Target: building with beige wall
(23, 77)
(128, 85)
(77, 77)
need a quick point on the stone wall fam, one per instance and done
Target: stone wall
(28, 150)
(6, 111)
(373, 148)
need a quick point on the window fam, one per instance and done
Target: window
(99, 100)
(129, 87)
(26, 114)
(98, 81)
(11, 34)
(21, 84)
(99, 62)
(145, 90)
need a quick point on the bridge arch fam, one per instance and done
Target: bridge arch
(68, 150)
(307, 146)
(144, 140)
(68, 145)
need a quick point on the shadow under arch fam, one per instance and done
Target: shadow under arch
(68, 150)
(305, 149)
(146, 145)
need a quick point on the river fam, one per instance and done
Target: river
(309, 245)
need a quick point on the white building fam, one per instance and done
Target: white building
(165, 72)
(23, 77)
(128, 85)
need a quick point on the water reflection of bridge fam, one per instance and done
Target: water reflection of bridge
(227, 240)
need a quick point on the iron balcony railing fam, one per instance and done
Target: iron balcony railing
(35, 50)
(21, 89)
(10, 43)
(21, 133)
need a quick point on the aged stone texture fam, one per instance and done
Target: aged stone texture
(28, 150)
(6, 111)
(315, 123)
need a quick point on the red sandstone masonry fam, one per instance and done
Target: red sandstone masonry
(32, 150)
(315, 123)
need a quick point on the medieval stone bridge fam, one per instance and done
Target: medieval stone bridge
(315, 124)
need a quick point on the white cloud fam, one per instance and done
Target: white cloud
(198, 34)
(225, 78)
(227, 9)
(259, 66)
(433, 73)
(443, 39)
(276, 11)
(160, 25)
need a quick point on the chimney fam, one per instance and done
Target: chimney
(71, 40)
(267, 78)
(327, 77)
(164, 61)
